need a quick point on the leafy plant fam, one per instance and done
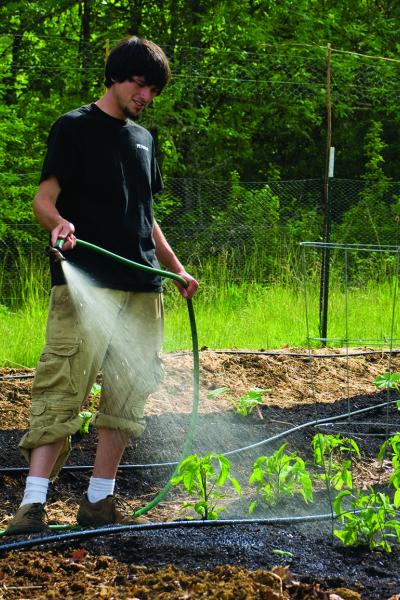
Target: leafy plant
(245, 404)
(328, 453)
(279, 475)
(204, 478)
(388, 381)
(87, 415)
(370, 522)
(394, 443)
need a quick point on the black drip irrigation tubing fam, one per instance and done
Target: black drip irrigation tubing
(117, 529)
(309, 424)
(308, 356)
(126, 467)
(26, 376)
(81, 534)
(265, 441)
(87, 533)
(302, 354)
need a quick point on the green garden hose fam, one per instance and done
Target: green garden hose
(195, 348)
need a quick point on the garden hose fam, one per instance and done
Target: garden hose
(56, 251)
(195, 348)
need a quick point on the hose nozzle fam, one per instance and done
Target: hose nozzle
(55, 251)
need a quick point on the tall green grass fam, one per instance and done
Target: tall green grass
(251, 316)
(23, 312)
(230, 313)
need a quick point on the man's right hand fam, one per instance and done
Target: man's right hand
(64, 230)
(46, 213)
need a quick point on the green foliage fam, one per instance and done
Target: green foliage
(393, 445)
(280, 475)
(204, 477)
(245, 104)
(373, 150)
(87, 415)
(242, 97)
(330, 452)
(387, 381)
(373, 218)
(245, 404)
(373, 522)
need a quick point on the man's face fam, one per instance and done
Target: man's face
(133, 95)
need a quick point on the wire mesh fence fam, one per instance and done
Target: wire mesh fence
(254, 228)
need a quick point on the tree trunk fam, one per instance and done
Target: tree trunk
(84, 46)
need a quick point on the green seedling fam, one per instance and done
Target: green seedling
(329, 453)
(204, 477)
(388, 381)
(245, 404)
(393, 443)
(373, 522)
(283, 552)
(87, 415)
(280, 475)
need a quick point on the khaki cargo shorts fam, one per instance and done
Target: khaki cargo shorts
(115, 332)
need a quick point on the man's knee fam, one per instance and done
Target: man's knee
(133, 427)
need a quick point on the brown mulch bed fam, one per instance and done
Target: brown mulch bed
(238, 562)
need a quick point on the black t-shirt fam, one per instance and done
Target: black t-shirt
(108, 175)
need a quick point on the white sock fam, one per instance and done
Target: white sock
(35, 490)
(100, 488)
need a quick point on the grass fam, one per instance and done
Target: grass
(229, 314)
(251, 316)
(247, 316)
(24, 312)
(22, 335)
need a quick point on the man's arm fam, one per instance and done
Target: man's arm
(169, 260)
(47, 215)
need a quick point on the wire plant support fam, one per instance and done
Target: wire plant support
(340, 256)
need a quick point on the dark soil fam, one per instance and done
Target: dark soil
(283, 559)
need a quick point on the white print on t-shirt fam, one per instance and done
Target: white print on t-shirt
(142, 147)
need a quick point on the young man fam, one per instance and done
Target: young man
(98, 181)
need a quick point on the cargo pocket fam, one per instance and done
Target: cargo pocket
(37, 414)
(57, 371)
(50, 413)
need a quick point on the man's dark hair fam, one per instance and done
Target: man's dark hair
(137, 56)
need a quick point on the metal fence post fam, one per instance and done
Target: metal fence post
(324, 281)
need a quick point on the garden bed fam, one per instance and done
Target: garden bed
(235, 559)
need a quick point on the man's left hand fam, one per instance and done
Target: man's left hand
(192, 287)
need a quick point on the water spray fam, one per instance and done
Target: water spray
(195, 349)
(55, 251)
